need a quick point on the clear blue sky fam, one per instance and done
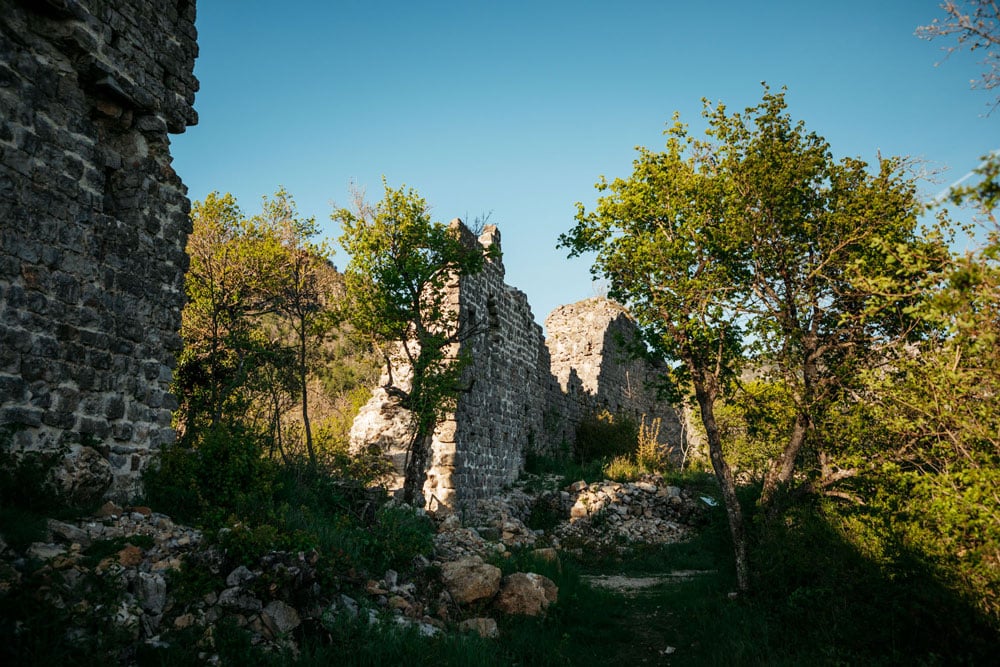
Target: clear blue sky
(516, 108)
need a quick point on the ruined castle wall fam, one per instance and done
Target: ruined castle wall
(480, 449)
(588, 343)
(93, 223)
(525, 393)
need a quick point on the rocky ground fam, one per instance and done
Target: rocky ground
(139, 554)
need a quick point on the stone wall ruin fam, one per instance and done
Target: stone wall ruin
(93, 224)
(595, 372)
(527, 394)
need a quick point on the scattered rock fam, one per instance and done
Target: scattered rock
(43, 551)
(350, 605)
(108, 510)
(400, 603)
(548, 554)
(470, 579)
(526, 594)
(281, 592)
(68, 533)
(484, 627)
(151, 592)
(239, 576)
(130, 555)
(184, 621)
(280, 618)
(238, 600)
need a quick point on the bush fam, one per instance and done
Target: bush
(649, 454)
(605, 436)
(244, 545)
(623, 469)
(222, 475)
(399, 534)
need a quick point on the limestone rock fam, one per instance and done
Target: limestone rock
(239, 576)
(238, 600)
(485, 627)
(280, 617)
(151, 592)
(130, 555)
(470, 579)
(43, 551)
(68, 533)
(83, 476)
(527, 594)
(548, 554)
(350, 605)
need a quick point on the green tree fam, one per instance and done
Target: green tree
(665, 248)
(303, 289)
(226, 284)
(817, 234)
(756, 243)
(937, 400)
(262, 300)
(401, 266)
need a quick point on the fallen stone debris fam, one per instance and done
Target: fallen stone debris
(140, 554)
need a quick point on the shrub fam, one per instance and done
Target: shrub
(222, 475)
(623, 469)
(244, 545)
(399, 534)
(649, 453)
(604, 436)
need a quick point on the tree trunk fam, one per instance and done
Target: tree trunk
(780, 471)
(416, 466)
(305, 393)
(705, 392)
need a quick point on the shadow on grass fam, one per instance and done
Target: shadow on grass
(822, 596)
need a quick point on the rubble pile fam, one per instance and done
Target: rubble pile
(139, 554)
(646, 511)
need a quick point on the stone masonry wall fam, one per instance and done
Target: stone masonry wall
(480, 449)
(93, 224)
(525, 393)
(588, 344)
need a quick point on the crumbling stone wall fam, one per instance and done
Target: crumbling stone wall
(478, 449)
(525, 393)
(93, 224)
(589, 343)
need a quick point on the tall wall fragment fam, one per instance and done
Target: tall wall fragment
(479, 448)
(93, 224)
(595, 370)
(524, 393)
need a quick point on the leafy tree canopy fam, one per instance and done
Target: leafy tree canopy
(755, 244)
(402, 263)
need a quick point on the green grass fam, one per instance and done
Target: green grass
(818, 599)
(831, 585)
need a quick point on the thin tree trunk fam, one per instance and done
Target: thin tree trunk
(416, 466)
(305, 393)
(781, 470)
(705, 393)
